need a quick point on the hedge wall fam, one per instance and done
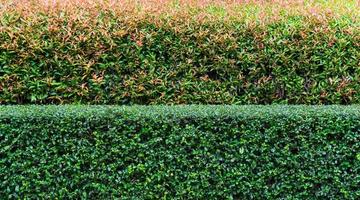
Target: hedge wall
(212, 55)
(180, 152)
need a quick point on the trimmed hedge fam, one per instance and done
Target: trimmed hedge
(207, 56)
(181, 152)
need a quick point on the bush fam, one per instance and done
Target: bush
(210, 55)
(192, 152)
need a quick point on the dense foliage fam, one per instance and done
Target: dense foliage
(239, 54)
(191, 152)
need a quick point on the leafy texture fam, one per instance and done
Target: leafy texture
(191, 152)
(209, 53)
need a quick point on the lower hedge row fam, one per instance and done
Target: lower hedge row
(191, 152)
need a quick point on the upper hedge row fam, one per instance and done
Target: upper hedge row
(212, 56)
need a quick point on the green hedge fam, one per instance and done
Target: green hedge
(183, 152)
(110, 59)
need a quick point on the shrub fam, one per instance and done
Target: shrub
(192, 152)
(211, 54)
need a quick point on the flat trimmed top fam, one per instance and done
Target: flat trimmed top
(15, 111)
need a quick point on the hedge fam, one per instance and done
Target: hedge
(249, 54)
(180, 152)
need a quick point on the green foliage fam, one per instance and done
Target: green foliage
(180, 152)
(111, 59)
